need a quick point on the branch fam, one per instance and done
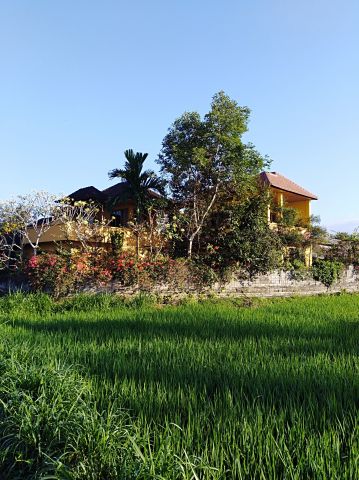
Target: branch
(208, 209)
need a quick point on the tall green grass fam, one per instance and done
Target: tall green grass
(97, 387)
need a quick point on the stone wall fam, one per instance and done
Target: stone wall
(281, 284)
(275, 284)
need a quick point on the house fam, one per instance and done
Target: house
(288, 194)
(117, 206)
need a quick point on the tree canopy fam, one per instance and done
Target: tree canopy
(204, 158)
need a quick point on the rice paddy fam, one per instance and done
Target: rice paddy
(97, 388)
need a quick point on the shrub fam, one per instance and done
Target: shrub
(60, 275)
(298, 269)
(245, 241)
(129, 270)
(327, 271)
(202, 275)
(48, 273)
(345, 249)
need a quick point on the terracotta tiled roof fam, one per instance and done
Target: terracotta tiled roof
(277, 180)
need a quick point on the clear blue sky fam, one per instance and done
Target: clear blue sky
(83, 80)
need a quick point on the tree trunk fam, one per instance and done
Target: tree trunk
(138, 245)
(201, 222)
(138, 229)
(190, 246)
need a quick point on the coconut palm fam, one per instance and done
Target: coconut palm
(141, 183)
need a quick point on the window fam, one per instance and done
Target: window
(120, 217)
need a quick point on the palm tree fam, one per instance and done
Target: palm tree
(140, 182)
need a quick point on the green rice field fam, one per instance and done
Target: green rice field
(96, 387)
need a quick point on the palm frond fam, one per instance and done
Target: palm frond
(117, 173)
(150, 180)
(141, 182)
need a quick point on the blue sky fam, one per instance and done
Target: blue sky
(81, 81)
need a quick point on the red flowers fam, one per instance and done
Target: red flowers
(65, 273)
(44, 261)
(33, 262)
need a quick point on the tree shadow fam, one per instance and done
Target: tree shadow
(333, 338)
(269, 381)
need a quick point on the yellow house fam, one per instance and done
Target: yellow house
(287, 193)
(117, 205)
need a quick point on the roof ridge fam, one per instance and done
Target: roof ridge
(114, 185)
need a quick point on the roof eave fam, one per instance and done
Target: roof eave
(310, 197)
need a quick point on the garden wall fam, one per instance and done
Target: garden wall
(275, 284)
(280, 284)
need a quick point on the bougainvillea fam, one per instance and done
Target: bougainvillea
(64, 274)
(47, 272)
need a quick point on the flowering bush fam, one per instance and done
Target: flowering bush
(144, 272)
(47, 272)
(63, 274)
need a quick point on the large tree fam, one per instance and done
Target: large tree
(204, 159)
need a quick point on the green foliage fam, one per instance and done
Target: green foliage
(201, 275)
(292, 237)
(296, 236)
(23, 304)
(51, 427)
(345, 248)
(117, 239)
(85, 302)
(327, 271)
(298, 269)
(202, 159)
(245, 241)
(289, 217)
(211, 390)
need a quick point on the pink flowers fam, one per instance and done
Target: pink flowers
(106, 274)
(80, 266)
(52, 261)
(56, 272)
(33, 262)
(123, 263)
(44, 261)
